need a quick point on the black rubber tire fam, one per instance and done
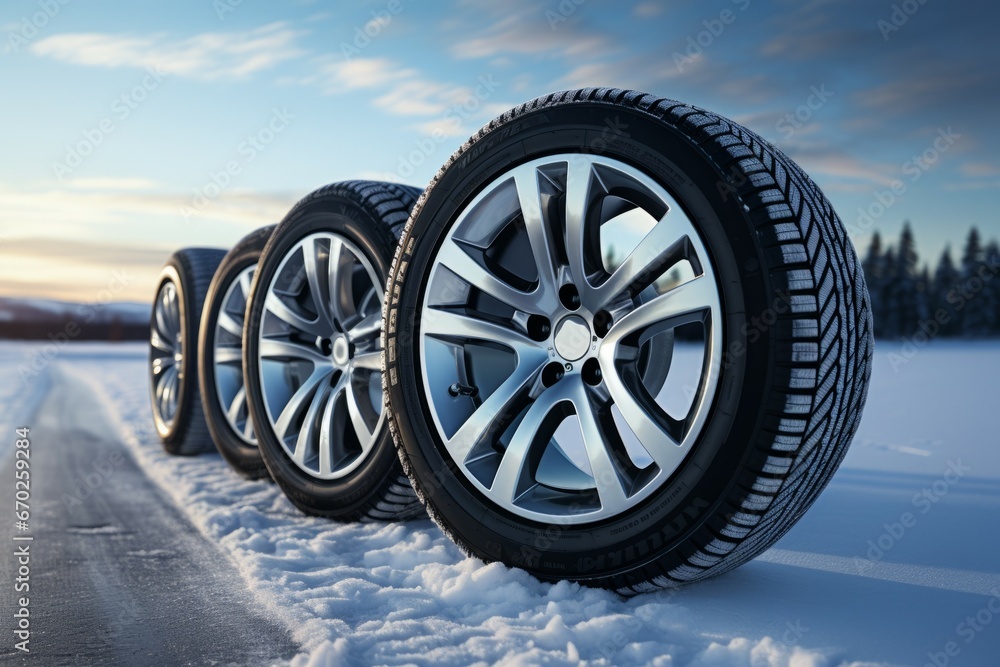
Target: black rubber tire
(371, 215)
(243, 457)
(790, 392)
(191, 271)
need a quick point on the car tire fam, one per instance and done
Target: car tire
(173, 350)
(312, 353)
(773, 285)
(220, 356)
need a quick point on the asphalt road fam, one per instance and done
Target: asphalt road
(118, 575)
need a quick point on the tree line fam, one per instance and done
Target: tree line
(958, 299)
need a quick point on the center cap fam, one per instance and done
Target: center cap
(572, 338)
(341, 354)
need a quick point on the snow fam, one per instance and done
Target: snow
(894, 565)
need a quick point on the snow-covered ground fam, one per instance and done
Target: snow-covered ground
(897, 563)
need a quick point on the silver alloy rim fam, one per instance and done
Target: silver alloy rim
(499, 385)
(320, 355)
(227, 357)
(166, 341)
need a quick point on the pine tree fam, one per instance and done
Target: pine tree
(923, 299)
(945, 279)
(904, 284)
(974, 320)
(991, 288)
(891, 323)
(874, 268)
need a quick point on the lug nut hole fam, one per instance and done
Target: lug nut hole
(552, 373)
(602, 323)
(539, 327)
(569, 296)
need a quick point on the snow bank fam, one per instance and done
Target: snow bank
(402, 593)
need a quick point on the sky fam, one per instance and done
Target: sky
(132, 129)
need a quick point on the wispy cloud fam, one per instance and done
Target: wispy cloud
(210, 55)
(981, 169)
(401, 90)
(84, 206)
(527, 30)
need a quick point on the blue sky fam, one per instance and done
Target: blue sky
(132, 129)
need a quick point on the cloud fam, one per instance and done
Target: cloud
(401, 90)
(531, 31)
(647, 9)
(132, 183)
(980, 169)
(845, 171)
(207, 56)
(356, 73)
(640, 73)
(68, 210)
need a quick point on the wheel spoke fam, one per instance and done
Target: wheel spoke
(655, 438)
(162, 364)
(607, 477)
(319, 287)
(327, 431)
(450, 324)
(246, 279)
(685, 303)
(157, 340)
(492, 416)
(539, 234)
(273, 348)
(297, 402)
(361, 428)
(164, 331)
(507, 481)
(308, 431)
(237, 406)
(578, 194)
(461, 264)
(338, 280)
(369, 327)
(229, 355)
(664, 246)
(371, 361)
(284, 312)
(229, 324)
(173, 310)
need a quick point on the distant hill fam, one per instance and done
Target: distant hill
(36, 319)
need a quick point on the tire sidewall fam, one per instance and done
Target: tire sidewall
(661, 527)
(345, 495)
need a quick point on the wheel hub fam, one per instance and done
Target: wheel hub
(341, 353)
(573, 337)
